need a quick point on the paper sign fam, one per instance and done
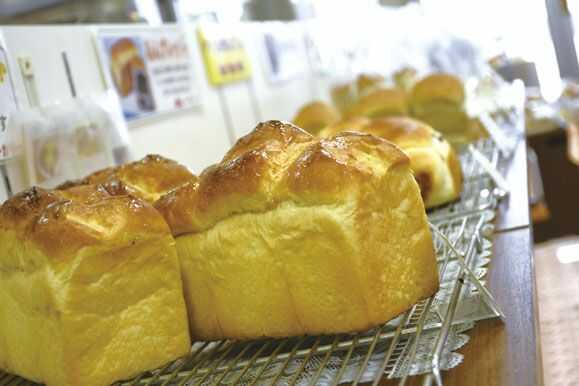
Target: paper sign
(150, 69)
(9, 144)
(224, 54)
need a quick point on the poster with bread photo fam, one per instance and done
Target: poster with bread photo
(150, 69)
(9, 143)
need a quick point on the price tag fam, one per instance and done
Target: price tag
(7, 103)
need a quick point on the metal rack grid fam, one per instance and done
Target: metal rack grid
(391, 350)
(420, 341)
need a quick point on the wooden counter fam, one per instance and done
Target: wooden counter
(505, 354)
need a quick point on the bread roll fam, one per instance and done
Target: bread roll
(314, 116)
(292, 235)
(434, 162)
(405, 78)
(90, 288)
(347, 124)
(365, 83)
(438, 100)
(148, 179)
(380, 103)
(343, 96)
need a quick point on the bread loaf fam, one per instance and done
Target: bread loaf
(343, 96)
(439, 101)
(148, 178)
(434, 162)
(90, 287)
(382, 102)
(292, 235)
(314, 116)
(365, 83)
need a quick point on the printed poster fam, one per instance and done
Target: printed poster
(150, 69)
(9, 145)
(224, 54)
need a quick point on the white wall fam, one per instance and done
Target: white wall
(195, 137)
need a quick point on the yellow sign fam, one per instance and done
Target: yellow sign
(225, 58)
(3, 72)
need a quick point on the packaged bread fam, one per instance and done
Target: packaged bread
(291, 235)
(434, 162)
(90, 288)
(314, 116)
(439, 101)
(381, 102)
(148, 178)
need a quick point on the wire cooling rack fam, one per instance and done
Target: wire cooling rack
(421, 342)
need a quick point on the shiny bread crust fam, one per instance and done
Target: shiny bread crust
(148, 178)
(412, 135)
(274, 163)
(61, 222)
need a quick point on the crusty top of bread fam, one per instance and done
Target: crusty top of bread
(314, 116)
(148, 178)
(60, 222)
(274, 163)
(403, 131)
(441, 87)
(411, 134)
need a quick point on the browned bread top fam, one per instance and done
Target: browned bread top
(411, 134)
(403, 130)
(148, 178)
(274, 163)
(62, 222)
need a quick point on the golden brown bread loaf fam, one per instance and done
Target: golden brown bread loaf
(434, 162)
(292, 235)
(382, 102)
(148, 178)
(439, 100)
(90, 287)
(314, 116)
(346, 124)
(343, 96)
(405, 78)
(366, 83)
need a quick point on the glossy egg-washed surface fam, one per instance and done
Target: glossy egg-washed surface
(292, 235)
(90, 287)
(432, 159)
(148, 178)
